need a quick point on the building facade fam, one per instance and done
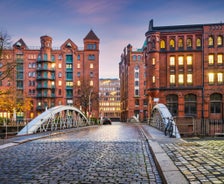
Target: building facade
(133, 85)
(109, 95)
(51, 76)
(185, 70)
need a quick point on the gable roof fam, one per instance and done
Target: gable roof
(91, 36)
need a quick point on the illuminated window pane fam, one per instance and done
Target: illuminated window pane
(219, 41)
(198, 42)
(91, 65)
(172, 79)
(153, 61)
(181, 78)
(220, 77)
(211, 59)
(189, 60)
(162, 44)
(172, 43)
(59, 82)
(78, 65)
(189, 42)
(153, 79)
(210, 41)
(181, 60)
(172, 60)
(78, 83)
(59, 65)
(219, 58)
(91, 83)
(189, 78)
(211, 78)
(180, 43)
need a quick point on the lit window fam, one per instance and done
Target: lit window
(78, 83)
(172, 43)
(172, 61)
(69, 84)
(189, 42)
(189, 60)
(91, 83)
(211, 78)
(219, 40)
(59, 65)
(220, 77)
(210, 59)
(172, 79)
(91, 65)
(198, 42)
(181, 78)
(189, 78)
(153, 79)
(59, 82)
(162, 44)
(78, 65)
(181, 60)
(219, 59)
(210, 41)
(153, 61)
(180, 43)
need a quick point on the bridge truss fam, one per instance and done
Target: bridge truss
(56, 118)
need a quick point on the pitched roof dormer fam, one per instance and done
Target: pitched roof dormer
(20, 44)
(69, 44)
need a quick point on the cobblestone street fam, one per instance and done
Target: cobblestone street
(105, 154)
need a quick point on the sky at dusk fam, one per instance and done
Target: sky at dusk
(117, 23)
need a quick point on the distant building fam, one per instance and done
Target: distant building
(133, 85)
(50, 76)
(109, 98)
(185, 71)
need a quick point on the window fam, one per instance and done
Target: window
(219, 59)
(136, 75)
(189, 43)
(59, 74)
(136, 92)
(69, 59)
(91, 83)
(59, 82)
(91, 65)
(91, 74)
(189, 60)
(180, 60)
(172, 44)
(216, 103)
(139, 57)
(180, 43)
(153, 61)
(190, 105)
(134, 57)
(162, 44)
(69, 84)
(91, 46)
(78, 57)
(198, 42)
(211, 78)
(172, 104)
(53, 58)
(91, 57)
(210, 59)
(68, 66)
(137, 102)
(153, 79)
(60, 57)
(136, 83)
(59, 65)
(219, 41)
(78, 65)
(45, 57)
(210, 41)
(172, 79)
(78, 74)
(172, 61)
(189, 78)
(78, 83)
(220, 77)
(181, 78)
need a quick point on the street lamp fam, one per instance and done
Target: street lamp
(90, 103)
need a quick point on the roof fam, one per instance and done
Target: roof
(91, 36)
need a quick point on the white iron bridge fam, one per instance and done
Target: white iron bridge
(56, 118)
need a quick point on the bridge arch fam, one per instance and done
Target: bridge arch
(159, 119)
(59, 117)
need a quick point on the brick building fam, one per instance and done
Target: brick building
(51, 76)
(185, 69)
(133, 85)
(109, 95)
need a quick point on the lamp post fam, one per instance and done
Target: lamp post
(90, 103)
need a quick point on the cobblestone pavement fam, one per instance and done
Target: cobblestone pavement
(200, 161)
(104, 154)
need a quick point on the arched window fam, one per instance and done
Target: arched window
(134, 57)
(172, 104)
(172, 44)
(198, 42)
(180, 43)
(190, 104)
(210, 41)
(162, 44)
(219, 41)
(216, 103)
(189, 43)
(139, 57)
